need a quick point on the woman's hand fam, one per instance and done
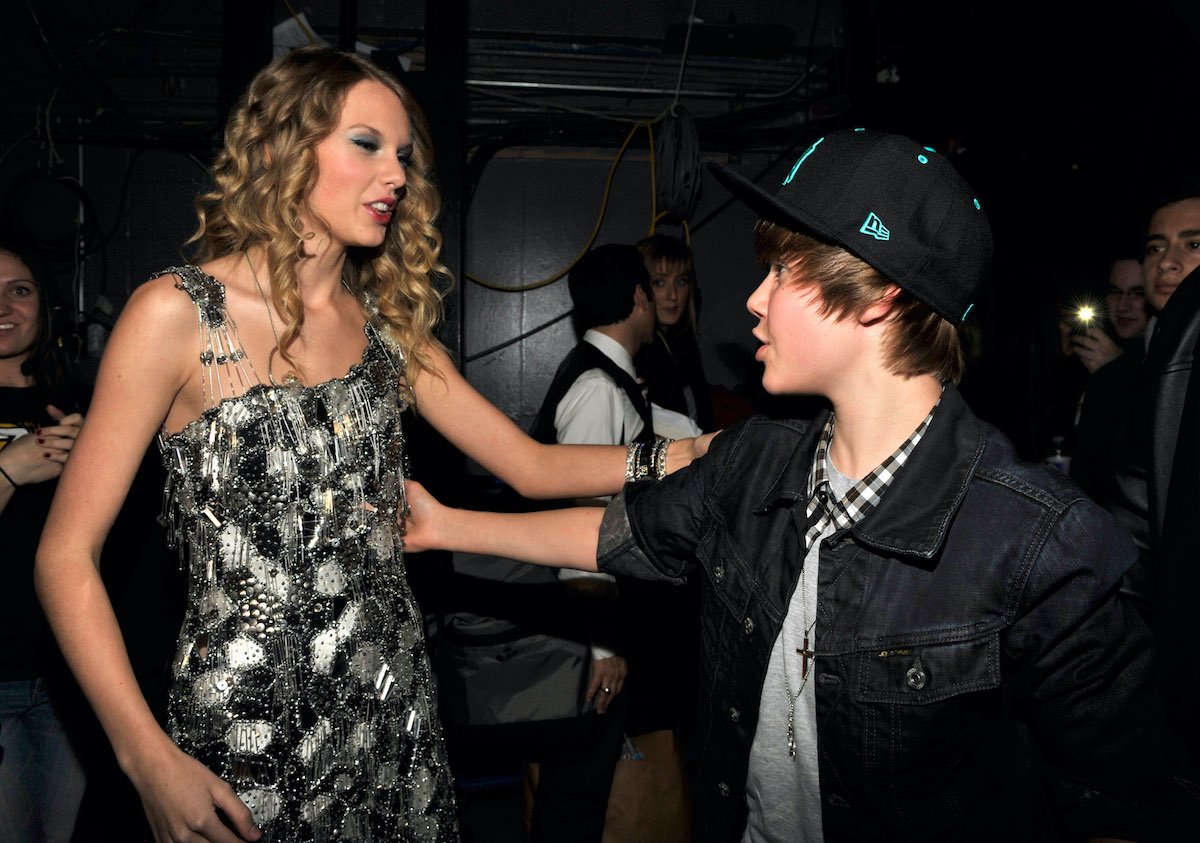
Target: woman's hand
(40, 456)
(182, 799)
(681, 452)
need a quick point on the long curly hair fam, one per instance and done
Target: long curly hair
(265, 172)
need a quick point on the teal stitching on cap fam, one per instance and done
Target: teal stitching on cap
(965, 312)
(931, 149)
(924, 159)
(874, 226)
(978, 207)
(792, 174)
(860, 130)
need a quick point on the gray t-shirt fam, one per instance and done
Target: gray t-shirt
(784, 793)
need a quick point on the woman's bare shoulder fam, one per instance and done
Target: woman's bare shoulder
(161, 299)
(178, 291)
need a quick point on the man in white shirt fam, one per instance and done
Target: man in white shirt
(594, 398)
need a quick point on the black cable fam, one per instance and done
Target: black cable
(516, 339)
(677, 174)
(808, 61)
(76, 76)
(123, 198)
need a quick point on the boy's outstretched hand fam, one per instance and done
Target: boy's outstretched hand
(419, 527)
(561, 538)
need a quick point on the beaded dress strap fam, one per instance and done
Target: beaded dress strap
(206, 292)
(227, 372)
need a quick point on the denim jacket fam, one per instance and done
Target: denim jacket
(977, 675)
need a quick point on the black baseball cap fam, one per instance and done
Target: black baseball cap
(897, 205)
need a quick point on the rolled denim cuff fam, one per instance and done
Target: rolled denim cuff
(616, 550)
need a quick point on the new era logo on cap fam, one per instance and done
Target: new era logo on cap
(875, 227)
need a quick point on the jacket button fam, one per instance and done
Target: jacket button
(748, 625)
(915, 676)
(723, 788)
(719, 573)
(734, 715)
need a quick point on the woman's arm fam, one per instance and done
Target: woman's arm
(143, 373)
(477, 428)
(558, 538)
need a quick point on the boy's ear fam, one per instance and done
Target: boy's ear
(882, 307)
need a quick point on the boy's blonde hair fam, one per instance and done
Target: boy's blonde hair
(918, 340)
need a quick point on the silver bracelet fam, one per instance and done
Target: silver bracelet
(642, 464)
(659, 458)
(633, 453)
(634, 464)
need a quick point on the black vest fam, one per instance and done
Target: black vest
(583, 357)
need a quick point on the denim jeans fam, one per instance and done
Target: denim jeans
(41, 779)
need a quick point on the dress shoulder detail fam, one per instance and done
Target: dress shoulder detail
(206, 292)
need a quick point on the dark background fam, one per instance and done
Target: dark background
(1061, 115)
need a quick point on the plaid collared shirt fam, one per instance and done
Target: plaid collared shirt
(863, 495)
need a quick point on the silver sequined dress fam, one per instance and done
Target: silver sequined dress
(301, 676)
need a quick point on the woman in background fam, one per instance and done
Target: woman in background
(671, 365)
(41, 777)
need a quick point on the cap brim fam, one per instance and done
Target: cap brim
(758, 200)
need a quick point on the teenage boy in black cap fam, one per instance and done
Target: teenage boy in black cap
(899, 619)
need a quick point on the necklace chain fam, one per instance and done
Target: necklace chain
(805, 656)
(289, 377)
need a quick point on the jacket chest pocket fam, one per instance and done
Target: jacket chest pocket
(729, 575)
(920, 708)
(735, 622)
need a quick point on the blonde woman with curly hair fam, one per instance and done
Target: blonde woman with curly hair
(273, 376)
